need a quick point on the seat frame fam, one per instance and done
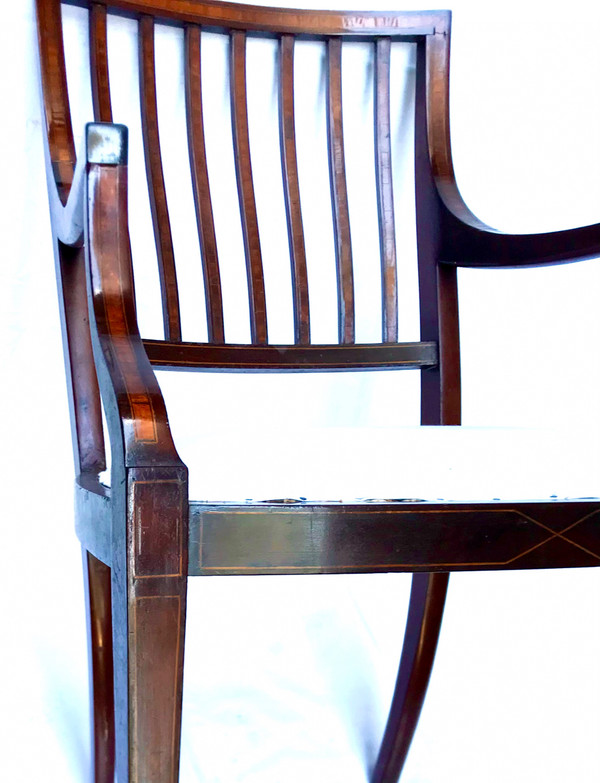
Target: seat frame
(142, 537)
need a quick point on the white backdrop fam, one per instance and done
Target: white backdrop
(292, 676)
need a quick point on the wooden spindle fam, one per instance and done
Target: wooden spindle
(339, 193)
(291, 189)
(154, 172)
(202, 201)
(99, 64)
(385, 192)
(241, 140)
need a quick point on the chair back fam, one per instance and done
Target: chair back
(437, 350)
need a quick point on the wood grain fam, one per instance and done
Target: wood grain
(385, 192)
(440, 389)
(134, 405)
(136, 532)
(402, 536)
(377, 535)
(99, 64)
(291, 189)
(84, 394)
(59, 131)
(421, 635)
(339, 193)
(202, 201)
(154, 172)
(279, 358)
(226, 16)
(243, 168)
(465, 239)
(97, 580)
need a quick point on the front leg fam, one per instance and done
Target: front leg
(149, 602)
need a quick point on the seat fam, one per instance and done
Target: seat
(142, 536)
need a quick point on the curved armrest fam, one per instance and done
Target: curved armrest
(466, 240)
(136, 413)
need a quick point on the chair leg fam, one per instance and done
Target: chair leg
(149, 586)
(149, 690)
(97, 580)
(426, 607)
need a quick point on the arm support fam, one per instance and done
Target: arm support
(465, 240)
(135, 408)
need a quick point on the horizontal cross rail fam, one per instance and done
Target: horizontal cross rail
(394, 536)
(206, 356)
(287, 537)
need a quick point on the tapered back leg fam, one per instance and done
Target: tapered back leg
(97, 581)
(427, 599)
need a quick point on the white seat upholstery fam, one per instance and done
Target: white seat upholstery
(335, 463)
(272, 445)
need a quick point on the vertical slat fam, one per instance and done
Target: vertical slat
(339, 193)
(204, 214)
(154, 172)
(241, 140)
(56, 96)
(99, 64)
(385, 192)
(289, 165)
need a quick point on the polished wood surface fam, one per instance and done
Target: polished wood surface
(97, 579)
(283, 358)
(385, 192)
(291, 190)
(202, 202)
(339, 193)
(149, 489)
(226, 16)
(243, 170)
(99, 64)
(426, 609)
(407, 536)
(466, 240)
(60, 145)
(156, 182)
(142, 536)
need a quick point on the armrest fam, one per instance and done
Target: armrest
(136, 414)
(466, 240)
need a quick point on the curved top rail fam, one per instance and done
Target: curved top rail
(406, 24)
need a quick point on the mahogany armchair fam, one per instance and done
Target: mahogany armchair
(142, 536)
